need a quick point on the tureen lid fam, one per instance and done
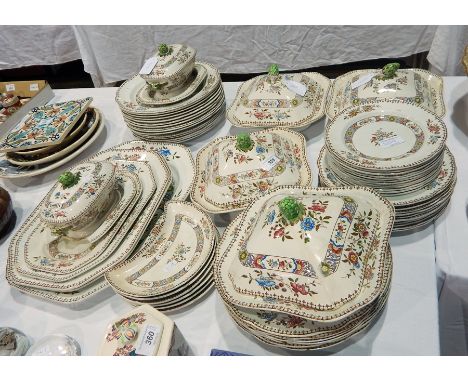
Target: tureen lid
(172, 59)
(76, 190)
(276, 99)
(314, 248)
(233, 170)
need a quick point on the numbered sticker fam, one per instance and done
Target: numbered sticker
(270, 162)
(392, 141)
(149, 65)
(295, 87)
(34, 87)
(149, 341)
(362, 80)
(10, 87)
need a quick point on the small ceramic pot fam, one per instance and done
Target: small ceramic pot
(78, 197)
(6, 208)
(175, 64)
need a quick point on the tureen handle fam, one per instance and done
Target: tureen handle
(244, 142)
(164, 50)
(68, 179)
(291, 209)
(389, 70)
(273, 70)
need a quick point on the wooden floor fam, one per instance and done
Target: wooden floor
(72, 74)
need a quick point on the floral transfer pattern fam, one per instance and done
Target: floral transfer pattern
(161, 245)
(270, 281)
(275, 263)
(381, 135)
(244, 183)
(361, 236)
(311, 220)
(46, 124)
(281, 320)
(119, 329)
(359, 156)
(340, 233)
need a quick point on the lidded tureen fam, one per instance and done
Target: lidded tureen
(232, 171)
(78, 197)
(307, 252)
(274, 99)
(175, 63)
(411, 86)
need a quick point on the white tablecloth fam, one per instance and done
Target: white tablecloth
(27, 45)
(452, 227)
(408, 326)
(114, 53)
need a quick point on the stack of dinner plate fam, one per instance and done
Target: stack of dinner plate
(179, 100)
(94, 217)
(173, 267)
(49, 136)
(399, 150)
(305, 268)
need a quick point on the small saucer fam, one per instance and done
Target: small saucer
(144, 96)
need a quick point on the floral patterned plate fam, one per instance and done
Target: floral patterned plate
(229, 177)
(125, 335)
(412, 86)
(268, 101)
(45, 125)
(445, 177)
(180, 161)
(10, 171)
(170, 256)
(385, 136)
(338, 239)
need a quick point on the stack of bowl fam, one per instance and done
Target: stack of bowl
(177, 100)
(48, 137)
(306, 268)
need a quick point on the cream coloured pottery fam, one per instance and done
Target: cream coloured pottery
(412, 86)
(173, 69)
(386, 136)
(44, 126)
(67, 209)
(267, 101)
(10, 171)
(179, 246)
(119, 249)
(54, 153)
(322, 267)
(147, 96)
(125, 335)
(228, 178)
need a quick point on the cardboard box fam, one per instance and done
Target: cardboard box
(39, 91)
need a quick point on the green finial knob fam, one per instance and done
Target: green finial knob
(244, 142)
(273, 70)
(68, 179)
(291, 209)
(164, 50)
(389, 70)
